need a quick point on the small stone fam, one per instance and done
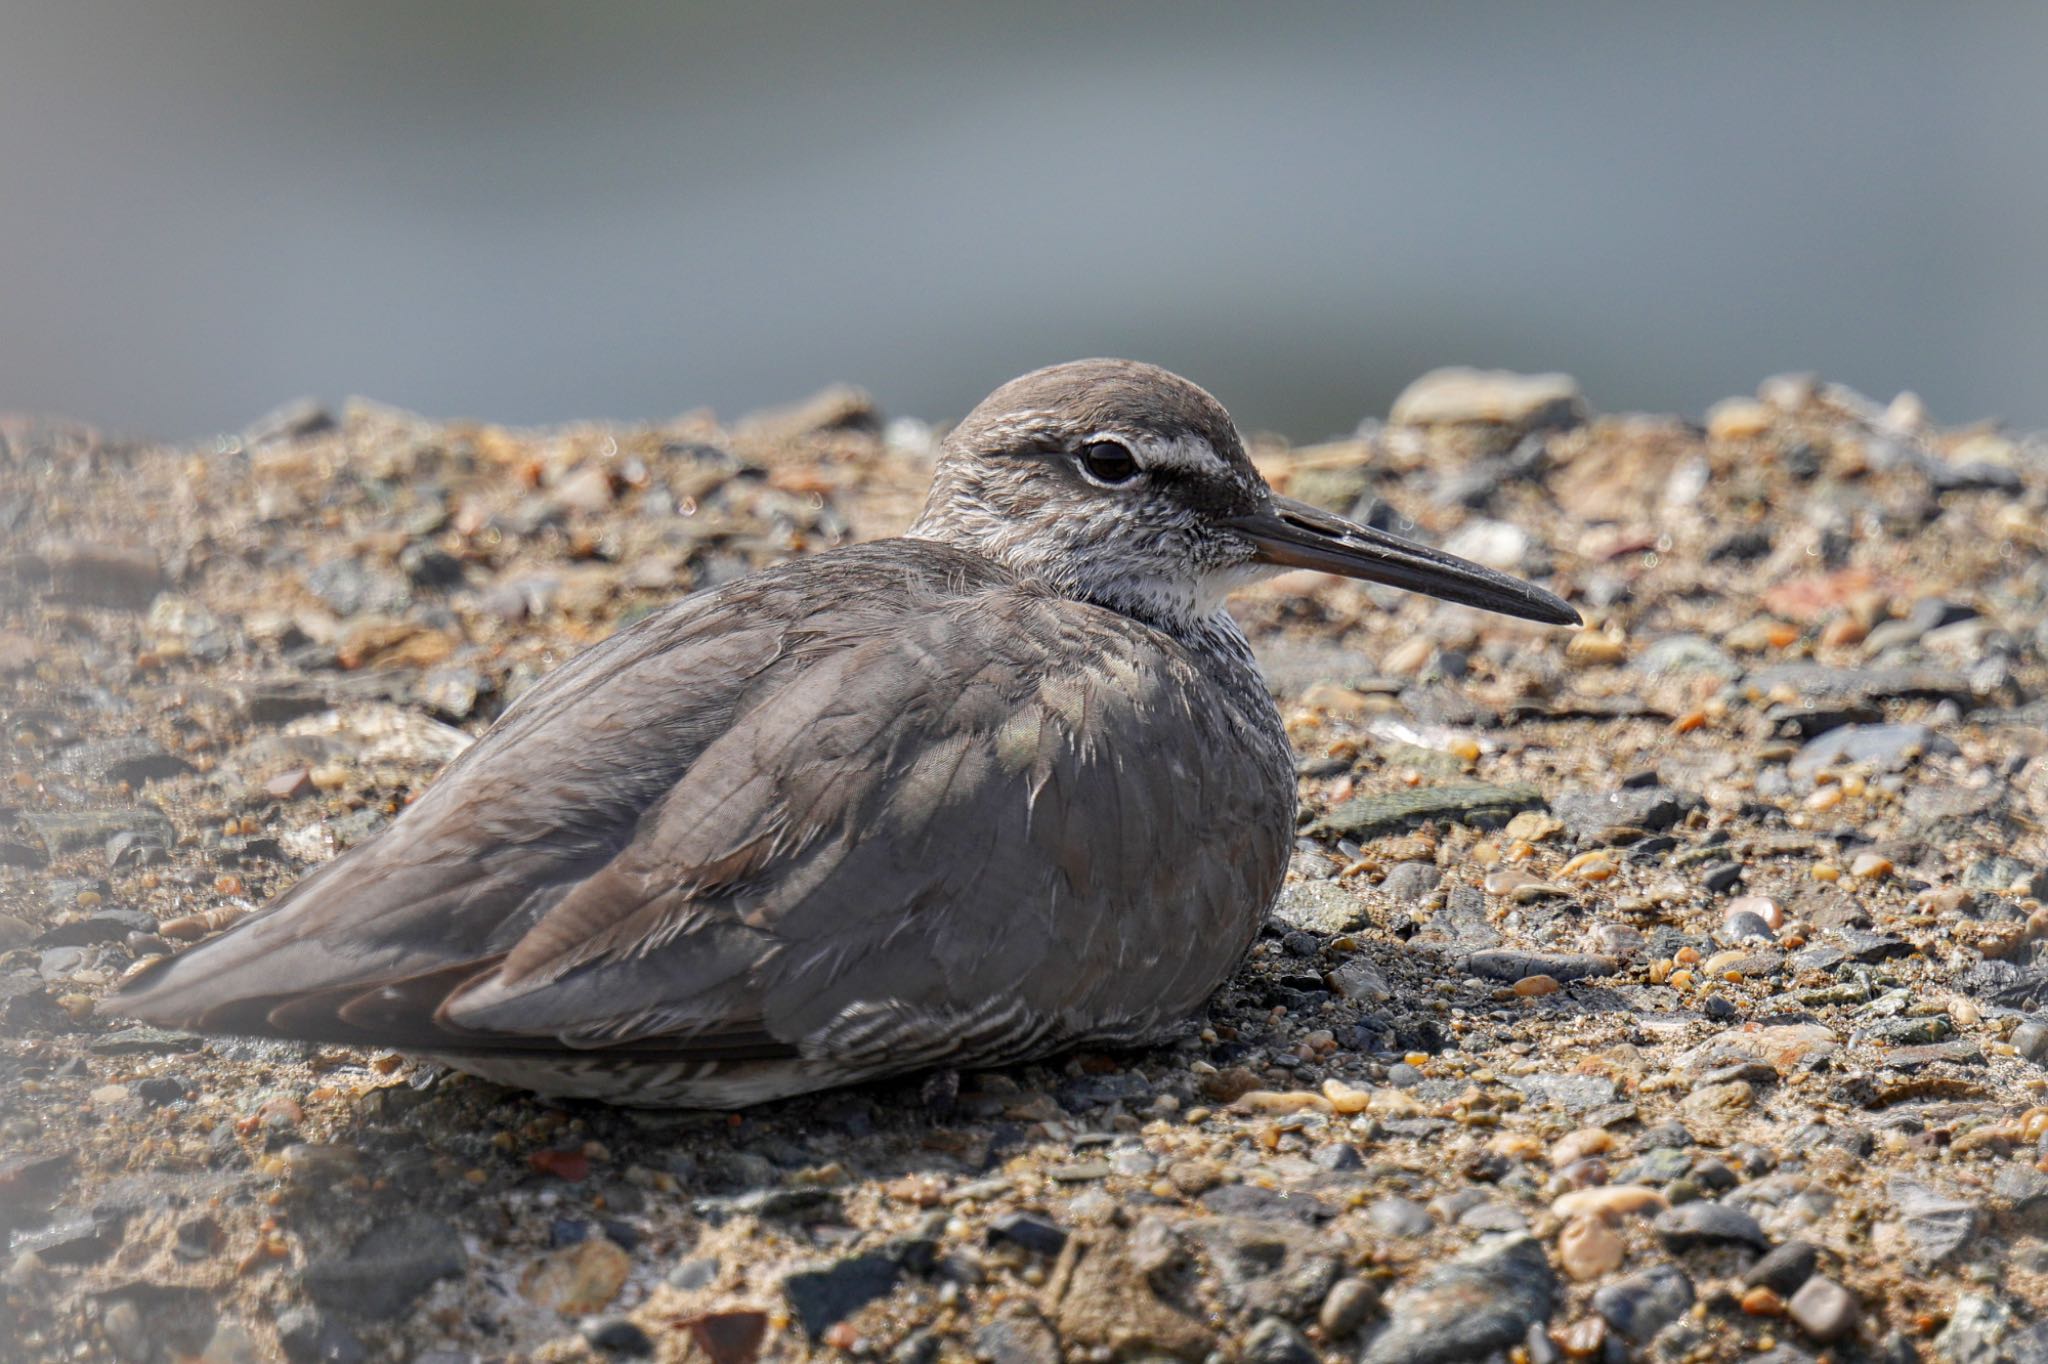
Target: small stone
(1457, 395)
(1360, 980)
(1590, 1247)
(1021, 1337)
(1409, 882)
(1483, 1301)
(1703, 1223)
(1273, 1341)
(2031, 1040)
(1033, 1233)
(1267, 1266)
(1976, 1331)
(1824, 1309)
(1642, 1304)
(391, 1265)
(619, 1336)
(1785, 1268)
(1347, 1305)
(289, 785)
(1936, 1228)
(578, 1280)
(823, 1297)
(1623, 815)
(309, 1337)
(1399, 1217)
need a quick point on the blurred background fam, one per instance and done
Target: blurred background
(530, 211)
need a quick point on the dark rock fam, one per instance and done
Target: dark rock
(617, 1335)
(1033, 1233)
(823, 1297)
(1485, 1300)
(1784, 1269)
(1704, 1223)
(1742, 547)
(1720, 877)
(1249, 1200)
(1870, 947)
(388, 1268)
(1642, 1304)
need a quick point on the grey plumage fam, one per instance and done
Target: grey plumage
(1006, 785)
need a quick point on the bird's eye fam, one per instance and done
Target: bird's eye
(1108, 461)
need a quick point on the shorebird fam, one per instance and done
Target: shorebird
(1006, 785)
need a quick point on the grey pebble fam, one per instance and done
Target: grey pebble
(1824, 1309)
(1483, 1301)
(1784, 1269)
(1273, 1341)
(1642, 1304)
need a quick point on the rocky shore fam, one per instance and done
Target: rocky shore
(1673, 990)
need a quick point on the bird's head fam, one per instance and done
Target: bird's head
(1119, 483)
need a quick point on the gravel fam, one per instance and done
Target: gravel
(1724, 914)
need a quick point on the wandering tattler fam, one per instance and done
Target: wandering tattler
(1005, 785)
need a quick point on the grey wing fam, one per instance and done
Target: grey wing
(956, 834)
(1007, 825)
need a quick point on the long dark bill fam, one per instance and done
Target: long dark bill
(1296, 535)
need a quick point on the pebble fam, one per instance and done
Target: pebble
(1644, 1303)
(617, 1335)
(1936, 1227)
(392, 1264)
(1273, 1341)
(1590, 1247)
(825, 1296)
(1349, 1302)
(1784, 1268)
(1399, 1217)
(1485, 1300)
(1458, 395)
(1976, 1331)
(1823, 1309)
(1703, 1223)
(578, 1279)
(1609, 1200)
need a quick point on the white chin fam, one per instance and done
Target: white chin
(1212, 587)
